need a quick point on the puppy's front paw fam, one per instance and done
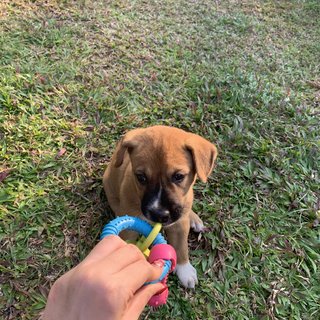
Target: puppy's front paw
(196, 224)
(187, 275)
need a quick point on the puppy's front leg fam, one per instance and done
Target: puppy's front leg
(177, 236)
(195, 222)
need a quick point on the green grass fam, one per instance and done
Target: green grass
(74, 76)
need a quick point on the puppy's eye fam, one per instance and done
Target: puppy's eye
(142, 178)
(177, 177)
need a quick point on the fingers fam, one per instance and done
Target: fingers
(104, 248)
(140, 300)
(122, 258)
(140, 272)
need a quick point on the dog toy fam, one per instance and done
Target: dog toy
(150, 236)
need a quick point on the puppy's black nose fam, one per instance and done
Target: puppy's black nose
(159, 215)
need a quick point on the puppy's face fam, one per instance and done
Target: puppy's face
(163, 179)
(165, 162)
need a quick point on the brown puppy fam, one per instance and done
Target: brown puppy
(151, 174)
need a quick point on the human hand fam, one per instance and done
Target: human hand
(107, 284)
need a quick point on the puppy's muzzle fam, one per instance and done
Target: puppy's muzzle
(157, 206)
(158, 215)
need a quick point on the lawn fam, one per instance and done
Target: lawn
(76, 75)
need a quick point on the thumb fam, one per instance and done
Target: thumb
(140, 299)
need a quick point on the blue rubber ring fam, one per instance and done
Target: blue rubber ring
(119, 224)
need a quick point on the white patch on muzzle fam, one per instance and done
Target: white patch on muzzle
(155, 204)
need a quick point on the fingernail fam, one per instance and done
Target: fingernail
(159, 263)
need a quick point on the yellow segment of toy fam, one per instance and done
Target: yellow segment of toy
(144, 243)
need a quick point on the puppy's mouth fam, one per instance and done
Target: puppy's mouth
(165, 217)
(165, 221)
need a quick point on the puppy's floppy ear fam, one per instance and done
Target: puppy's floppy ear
(204, 154)
(127, 143)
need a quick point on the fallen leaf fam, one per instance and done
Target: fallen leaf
(314, 84)
(61, 152)
(4, 174)
(154, 76)
(89, 128)
(44, 291)
(315, 223)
